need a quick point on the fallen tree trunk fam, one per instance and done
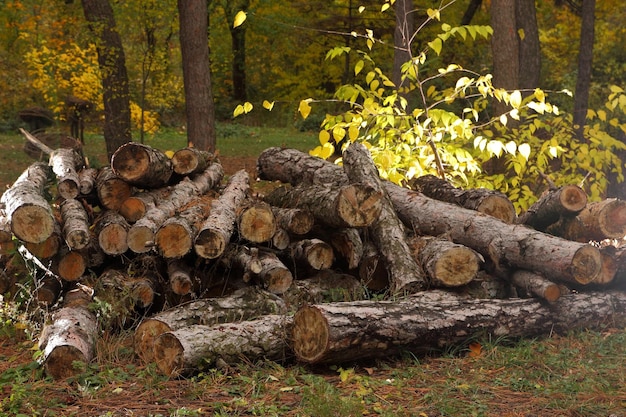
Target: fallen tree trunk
(340, 332)
(141, 165)
(192, 348)
(244, 304)
(490, 202)
(29, 213)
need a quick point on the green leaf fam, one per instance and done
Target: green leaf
(240, 17)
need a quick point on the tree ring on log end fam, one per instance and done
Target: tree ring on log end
(131, 162)
(359, 205)
(209, 244)
(310, 334)
(58, 359)
(498, 207)
(145, 335)
(613, 219)
(586, 264)
(168, 354)
(36, 223)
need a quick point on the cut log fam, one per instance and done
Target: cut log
(244, 304)
(72, 264)
(600, 220)
(281, 239)
(180, 275)
(386, 231)
(244, 260)
(49, 247)
(65, 164)
(7, 245)
(256, 222)
(141, 165)
(199, 347)
(295, 167)
(294, 221)
(275, 277)
(373, 270)
(312, 254)
(350, 205)
(48, 291)
(112, 231)
(536, 284)
(112, 190)
(137, 205)
(447, 264)
(70, 338)
(565, 201)
(340, 332)
(217, 229)
(490, 202)
(325, 286)
(75, 224)
(87, 180)
(188, 160)
(25, 206)
(348, 244)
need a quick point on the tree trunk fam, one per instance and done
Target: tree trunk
(194, 47)
(196, 347)
(490, 202)
(560, 202)
(26, 208)
(48, 248)
(585, 65)
(529, 47)
(142, 165)
(217, 229)
(112, 190)
(112, 62)
(189, 161)
(505, 50)
(340, 332)
(244, 304)
(274, 277)
(7, 245)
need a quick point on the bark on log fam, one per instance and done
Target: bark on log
(244, 260)
(387, 231)
(188, 161)
(48, 291)
(75, 224)
(536, 284)
(373, 270)
(281, 239)
(192, 348)
(600, 220)
(490, 202)
(49, 247)
(564, 201)
(244, 304)
(141, 165)
(348, 244)
(112, 190)
(312, 254)
(447, 264)
(7, 245)
(275, 277)
(137, 205)
(353, 205)
(295, 167)
(25, 206)
(112, 231)
(294, 221)
(256, 222)
(65, 164)
(325, 286)
(70, 338)
(217, 229)
(87, 180)
(340, 332)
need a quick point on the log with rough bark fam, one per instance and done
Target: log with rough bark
(295, 167)
(216, 231)
(87, 180)
(196, 347)
(111, 228)
(244, 304)
(141, 165)
(243, 259)
(180, 276)
(347, 244)
(75, 224)
(373, 270)
(275, 277)
(311, 254)
(28, 211)
(256, 222)
(387, 231)
(323, 287)
(599, 220)
(188, 160)
(112, 190)
(65, 164)
(71, 264)
(70, 338)
(536, 284)
(566, 201)
(490, 202)
(339, 332)
(7, 245)
(294, 221)
(349, 205)
(447, 264)
(281, 239)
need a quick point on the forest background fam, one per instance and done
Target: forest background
(279, 59)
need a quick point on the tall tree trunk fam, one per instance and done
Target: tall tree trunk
(529, 48)
(585, 56)
(112, 62)
(402, 38)
(470, 12)
(200, 110)
(238, 42)
(505, 49)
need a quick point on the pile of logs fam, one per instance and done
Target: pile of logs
(333, 264)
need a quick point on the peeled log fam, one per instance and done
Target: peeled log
(490, 202)
(564, 201)
(244, 304)
(340, 332)
(142, 165)
(196, 347)
(28, 211)
(70, 337)
(600, 220)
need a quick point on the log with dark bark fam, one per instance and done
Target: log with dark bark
(347, 244)
(141, 165)
(75, 224)
(339, 332)
(244, 304)
(490, 202)
(256, 222)
(112, 190)
(350, 205)
(559, 202)
(28, 211)
(243, 259)
(373, 270)
(599, 220)
(48, 290)
(188, 161)
(311, 254)
(216, 231)
(387, 231)
(536, 284)
(180, 276)
(65, 164)
(295, 167)
(294, 221)
(196, 347)
(70, 338)
(323, 287)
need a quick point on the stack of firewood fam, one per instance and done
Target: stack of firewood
(333, 264)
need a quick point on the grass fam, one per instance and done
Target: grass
(576, 375)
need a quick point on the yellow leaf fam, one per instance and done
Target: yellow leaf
(436, 45)
(503, 119)
(510, 147)
(238, 111)
(384, 7)
(240, 17)
(324, 137)
(361, 9)
(358, 67)
(247, 107)
(268, 105)
(353, 133)
(521, 33)
(304, 108)
(169, 154)
(475, 349)
(602, 115)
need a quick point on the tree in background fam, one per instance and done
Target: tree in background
(585, 61)
(193, 17)
(112, 63)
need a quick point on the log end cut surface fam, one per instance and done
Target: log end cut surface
(359, 206)
(498, 207)
(310, 334)
(131, 162)
(457, 267)
(145, 335)
(210, 244)
(586, 264)
(60, 362)
(173, 241)
(613, 219)
(32, 223)
(168, 354)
